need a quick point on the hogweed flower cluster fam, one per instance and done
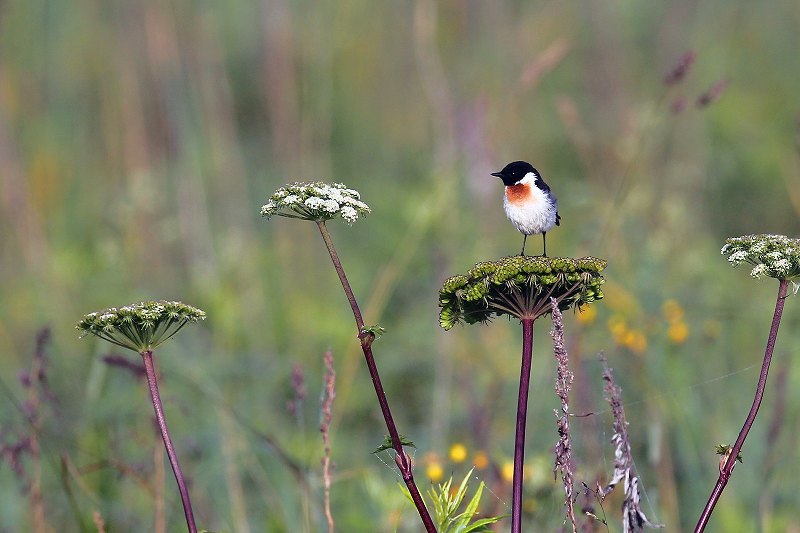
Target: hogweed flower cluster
(320, 202)
(773, 256)
(315, 201)
(519, 286)
(142, 326)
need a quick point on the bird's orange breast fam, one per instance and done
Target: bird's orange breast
(519, 194)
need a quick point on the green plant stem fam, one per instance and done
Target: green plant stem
(522, 415)
(152, 382)
(726, 470)
(402, 460)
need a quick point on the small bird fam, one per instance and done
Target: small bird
(528, 202)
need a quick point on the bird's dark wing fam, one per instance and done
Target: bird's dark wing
(558, 219)
(542, 185)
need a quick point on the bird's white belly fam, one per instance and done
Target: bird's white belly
(532, 217)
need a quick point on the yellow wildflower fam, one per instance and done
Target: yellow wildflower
(480, 460)
(434, 471)
(678, 332)
(618, 327)
(507, 471)
(458, 453)
(586, 315)
(635, 340)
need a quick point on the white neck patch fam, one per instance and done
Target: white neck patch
(529, 179)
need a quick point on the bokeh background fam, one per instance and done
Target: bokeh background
(138, 141)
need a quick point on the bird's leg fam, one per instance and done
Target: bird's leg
(525, 238)
(544, 244)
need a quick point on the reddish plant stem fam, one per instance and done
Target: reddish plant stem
(727, 468)
(326, 236)
(402, 460)
(522, 415)
(152, 382)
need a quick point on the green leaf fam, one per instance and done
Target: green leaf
(375, 330)
(406, 493)
(472, 506)
(479, 526)
(445, 505)
(455, 503)
(387, 443)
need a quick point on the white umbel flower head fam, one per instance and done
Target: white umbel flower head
(773, 256)
(317, 201)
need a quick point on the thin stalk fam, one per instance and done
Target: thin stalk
(402, 460)
(152, 382)
(326, 236)
(329, 393)
(727, 468)
(522, 415)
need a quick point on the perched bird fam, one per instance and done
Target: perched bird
(528, 202)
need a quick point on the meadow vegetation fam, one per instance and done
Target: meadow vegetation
(139, 140)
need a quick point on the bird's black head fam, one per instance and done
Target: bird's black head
(513, 173)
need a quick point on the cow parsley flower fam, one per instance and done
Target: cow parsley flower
(291, 199)
(759, 271)
(330, 206)
(737, 257)
(316, 201)
(349, 214)
(773, 256)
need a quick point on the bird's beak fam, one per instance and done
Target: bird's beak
(497, 174)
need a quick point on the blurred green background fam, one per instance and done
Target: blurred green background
(138, 141)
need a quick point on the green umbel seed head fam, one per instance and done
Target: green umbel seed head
(519, 286)
(142, 326)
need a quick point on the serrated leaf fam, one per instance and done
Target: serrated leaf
(375, 330)
(387, 443)
(445, 504)
(479, 526)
